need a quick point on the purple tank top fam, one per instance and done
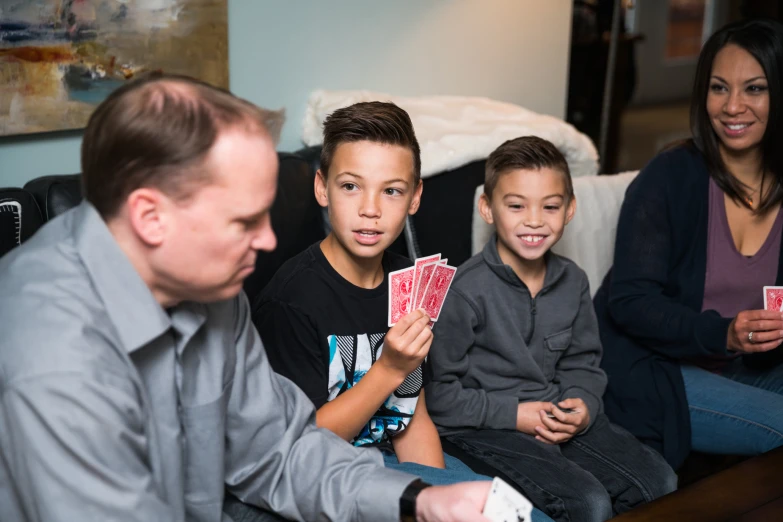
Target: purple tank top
(734, 282)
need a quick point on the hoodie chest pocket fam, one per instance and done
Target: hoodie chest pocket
(556, 345)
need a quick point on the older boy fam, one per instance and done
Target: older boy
(323, 317)
(516, 381)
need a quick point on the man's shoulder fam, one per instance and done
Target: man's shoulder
(64, 330)
(51, 317)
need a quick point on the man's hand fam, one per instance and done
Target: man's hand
(406, 344)
(767, 328)
(565, 425)
(461, 502)
(528, 416)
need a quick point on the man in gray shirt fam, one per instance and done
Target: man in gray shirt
(132, 383)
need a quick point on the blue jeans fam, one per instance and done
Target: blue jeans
(589, 478)
(738, 411)
(455, 472)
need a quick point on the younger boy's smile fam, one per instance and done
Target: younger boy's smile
(529, 209)
(531, 240)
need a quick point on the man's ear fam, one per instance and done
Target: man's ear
(571, 210)
(147, 215)
(485, 209)
(321, 195)
(416, 201)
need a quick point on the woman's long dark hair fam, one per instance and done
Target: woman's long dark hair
(763, 39)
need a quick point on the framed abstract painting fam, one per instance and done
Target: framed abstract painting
(60, 58)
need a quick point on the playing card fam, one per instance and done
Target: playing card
(400, 294)
(564, 410)
(419, 264)
(773, 298)
(424, 279)
(436, 290)
(506, 504)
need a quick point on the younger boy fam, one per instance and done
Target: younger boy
(516, 381)
(323, 317)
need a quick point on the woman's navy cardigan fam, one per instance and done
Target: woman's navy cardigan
(649, 305)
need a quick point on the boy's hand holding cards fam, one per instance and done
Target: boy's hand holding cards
(424, 285)
(506, 504)
(564, 410)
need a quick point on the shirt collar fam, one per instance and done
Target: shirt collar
(555, 265)
(136, 315)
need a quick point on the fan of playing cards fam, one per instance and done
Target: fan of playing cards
(424, 285)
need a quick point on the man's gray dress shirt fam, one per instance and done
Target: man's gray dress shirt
(116, 409)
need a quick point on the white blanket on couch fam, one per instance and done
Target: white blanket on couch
(455, 130)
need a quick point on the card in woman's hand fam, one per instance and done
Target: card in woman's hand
(773, 298)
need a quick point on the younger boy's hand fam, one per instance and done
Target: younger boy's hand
(528, 418)
(565, 425)
(406, 344)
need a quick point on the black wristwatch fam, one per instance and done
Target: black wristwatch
(408, 500)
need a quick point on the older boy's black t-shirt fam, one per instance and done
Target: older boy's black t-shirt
(324, 333)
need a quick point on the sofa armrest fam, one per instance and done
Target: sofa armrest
(19, 218)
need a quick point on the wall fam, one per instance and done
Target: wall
(511, 50)
(660, 80)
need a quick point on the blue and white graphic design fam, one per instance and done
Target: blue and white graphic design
(350, 358)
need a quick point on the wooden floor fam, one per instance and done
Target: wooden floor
(751, 491)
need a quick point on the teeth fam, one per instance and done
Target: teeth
(737, 127)
(532, 239)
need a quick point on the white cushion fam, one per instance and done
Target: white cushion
(589, 239)
(455, 130)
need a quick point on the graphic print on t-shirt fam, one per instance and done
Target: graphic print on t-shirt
(350, 358)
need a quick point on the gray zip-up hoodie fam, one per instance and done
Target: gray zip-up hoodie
(495, 346)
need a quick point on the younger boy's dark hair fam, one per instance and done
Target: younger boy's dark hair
(526, 153)
(378, 122)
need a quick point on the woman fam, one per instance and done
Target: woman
(692, 357)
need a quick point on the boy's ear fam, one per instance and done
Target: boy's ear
(485, 209)
(320, 189)
(571, 210)
(416, 201)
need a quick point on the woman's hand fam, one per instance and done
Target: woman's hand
(767, 328)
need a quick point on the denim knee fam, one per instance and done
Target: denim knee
(591, 503)
(667, 481)
(659, 478)
(595, 505)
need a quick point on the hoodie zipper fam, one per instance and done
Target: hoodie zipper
(533, 312)
(532, 320)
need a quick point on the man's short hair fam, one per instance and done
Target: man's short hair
(526, 153)
(378, 122)
(156, 132)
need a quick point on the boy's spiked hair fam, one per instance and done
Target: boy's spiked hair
(526, 153)
(378, 122)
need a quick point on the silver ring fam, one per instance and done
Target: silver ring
(750, 337)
